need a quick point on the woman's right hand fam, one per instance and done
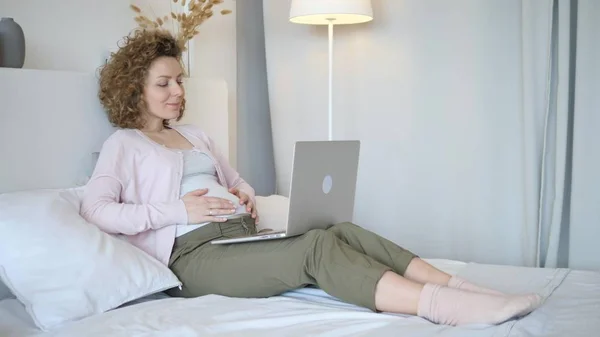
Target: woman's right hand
(206, 209)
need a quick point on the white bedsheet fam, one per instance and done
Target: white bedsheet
(572, 309)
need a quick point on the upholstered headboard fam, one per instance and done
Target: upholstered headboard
(52, 124)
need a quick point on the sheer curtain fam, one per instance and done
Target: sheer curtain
(556, 155)
(570, 217)
(584, 229)
(537, 67)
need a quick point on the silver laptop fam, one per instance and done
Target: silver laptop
(321, 190)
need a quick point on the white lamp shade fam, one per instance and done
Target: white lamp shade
(323, 12)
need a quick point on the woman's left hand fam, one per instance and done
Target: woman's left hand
(245, 200)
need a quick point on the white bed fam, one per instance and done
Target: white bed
(571, 308)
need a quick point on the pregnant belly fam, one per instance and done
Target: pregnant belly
(214, 190)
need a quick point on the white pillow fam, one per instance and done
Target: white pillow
(273, 211)
(63, 268)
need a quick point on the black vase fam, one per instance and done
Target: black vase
(12, 44)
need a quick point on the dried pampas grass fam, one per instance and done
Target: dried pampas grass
(185, 20)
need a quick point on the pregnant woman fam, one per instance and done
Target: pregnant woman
(169, 192)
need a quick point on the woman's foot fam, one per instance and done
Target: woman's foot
(460, 283)
(451, 306)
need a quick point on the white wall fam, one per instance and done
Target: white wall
(78, 36)
(432, 88)
(67, 34)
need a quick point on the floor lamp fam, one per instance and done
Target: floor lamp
(330, 12)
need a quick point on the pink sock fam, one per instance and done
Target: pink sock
(450, 306)
(459, 283)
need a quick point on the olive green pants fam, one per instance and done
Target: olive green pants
(346, 261)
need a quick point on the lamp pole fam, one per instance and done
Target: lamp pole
(330, 13)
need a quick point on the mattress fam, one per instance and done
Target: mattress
(571, 308)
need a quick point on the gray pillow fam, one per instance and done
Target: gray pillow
(5, 292)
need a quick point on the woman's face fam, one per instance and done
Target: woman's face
(163, 90)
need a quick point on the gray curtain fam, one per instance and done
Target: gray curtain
(557, 162)
(570, 228)
(255, 160)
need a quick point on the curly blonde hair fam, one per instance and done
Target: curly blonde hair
(123, 77)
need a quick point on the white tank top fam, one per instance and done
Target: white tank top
(199, 172)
